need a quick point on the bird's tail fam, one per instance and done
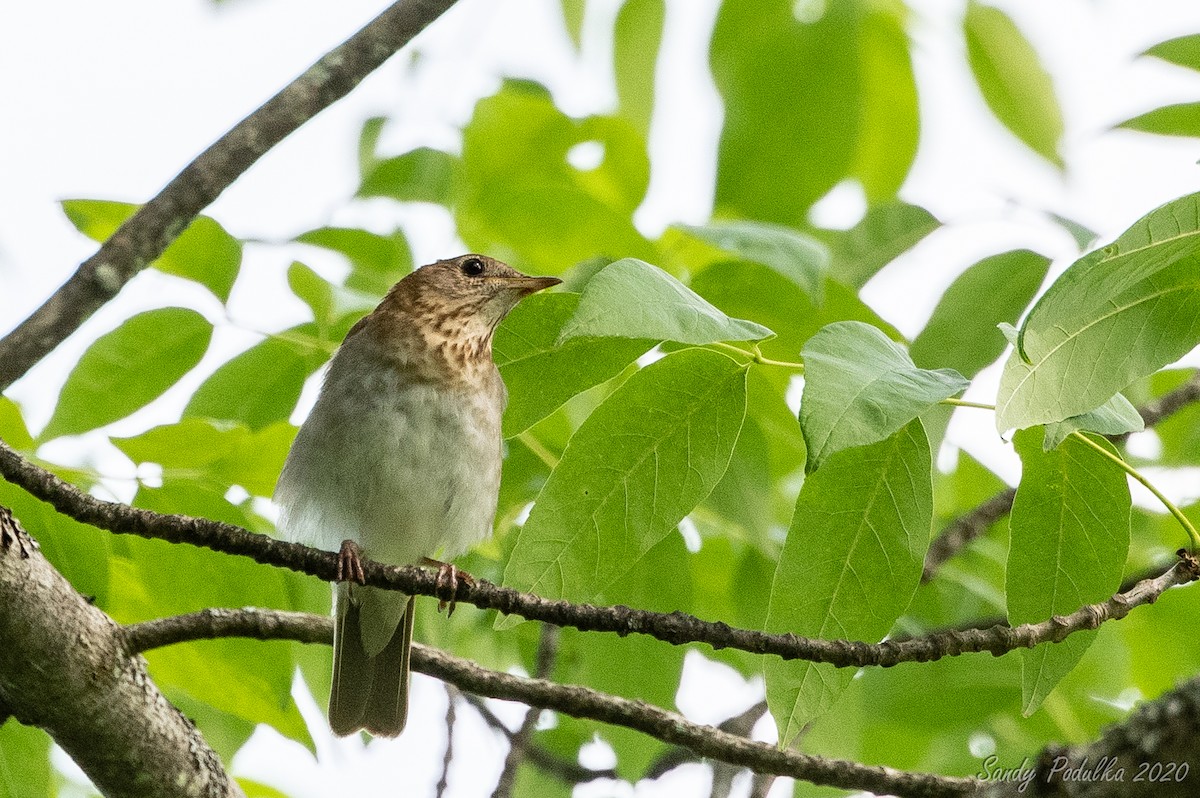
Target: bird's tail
(370, 690)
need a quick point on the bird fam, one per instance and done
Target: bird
(399, 461)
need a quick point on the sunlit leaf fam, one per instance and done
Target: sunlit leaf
(1115, 417)
(850, 565)
(377, 261)
(884, 233)
(1182, 119)
(25, 762)
(636, 38)
(632, 299)
(798, 257)
(421, 175)
(890, 124)
(1070, 535)
(128, 368)
(1183, 51)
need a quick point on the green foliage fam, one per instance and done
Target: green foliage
(799, 258)
(1070, 535)
(1012, 79)
(25, 761)
(887, 231)
(850, 565)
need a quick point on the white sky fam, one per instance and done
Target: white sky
(110, 100)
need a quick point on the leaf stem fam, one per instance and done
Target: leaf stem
(538, 448)
(964, 403)
(1133, 472)
(756, 356)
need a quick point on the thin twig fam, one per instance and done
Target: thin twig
(148, 232)
(448, 757)
(547, 653)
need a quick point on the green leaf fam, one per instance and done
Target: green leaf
(421, 175)
(850, 565)
(890, 121)
(261, 385)
(204, 253)
(962, 332)
(332, 305)
(798, 257)
(636, 38)
(882, 235)
(860, 387)
(25, 762)
(12, 426)
(1115, 417)
(1070, 535)
(1116, 314)
(377, 261)
(785, 142)
(1179, 432)
(632, 299)
(639, 463)
(216, 455)
(1183, 51)
(368, 144)
(1182, 119)
(1012, 80)
(573, 13)
(126, 369)
(517, 182)
(539, 373)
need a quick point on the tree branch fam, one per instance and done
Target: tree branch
(143, 237)
(64, 667)
(676, 628)
(579, 702)
(547, 653)
(964, 529)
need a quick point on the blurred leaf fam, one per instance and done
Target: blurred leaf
(850, 565)
(640, 462)
(217, 455)
(573, 13)
(420, 175)
(632, 299)
(1012, 80)
(962, 332)
(1133, 306)
(1070, 535)
(890, 124)
(884, 233)
(636, 38)
(1183, 51)
(368, 144)
(377, 261)
(1115, 417)
(1179, 432)
(126, 369)
(539, 373)
(860, 387)
(204, 252)
(333, 307)
(792, 119)
(25, 762)
(254, 789)
(1182, 119)
(798, 257)
(1084, 236)
(12, 426)
(261, 385)
(517, 182)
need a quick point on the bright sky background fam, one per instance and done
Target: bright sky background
(110, 100)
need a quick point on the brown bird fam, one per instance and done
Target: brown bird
(399, 461)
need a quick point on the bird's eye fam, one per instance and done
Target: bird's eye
(472, 267)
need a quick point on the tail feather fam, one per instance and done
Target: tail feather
(368, 692)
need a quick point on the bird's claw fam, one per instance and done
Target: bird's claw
(349, 563)
(446, 584)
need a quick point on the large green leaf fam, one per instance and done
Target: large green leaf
(632, 299)
(792, 117)
(1012, 80)
(1070, 535)
(1182, 119)
(890, 117)
(541, 374)
(1116, 314)
(882, 235)
(261, 385)
(517, 182)
(128, 368)
(850, 565)
(25, 762)
(639, 463)
(204, 252)
(1115, 417)
(860, 387)
(798, 257)
(421, 175)
(962, 332)
(636, 39)
(1183, 51)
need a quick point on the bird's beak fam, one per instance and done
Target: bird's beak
(527, 285)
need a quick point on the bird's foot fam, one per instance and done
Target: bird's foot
(349, 564)
(448, 579)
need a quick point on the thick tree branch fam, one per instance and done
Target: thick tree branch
(64, 667)
(676, 628)
(964, 529)
(579, 702)
(144, 236)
